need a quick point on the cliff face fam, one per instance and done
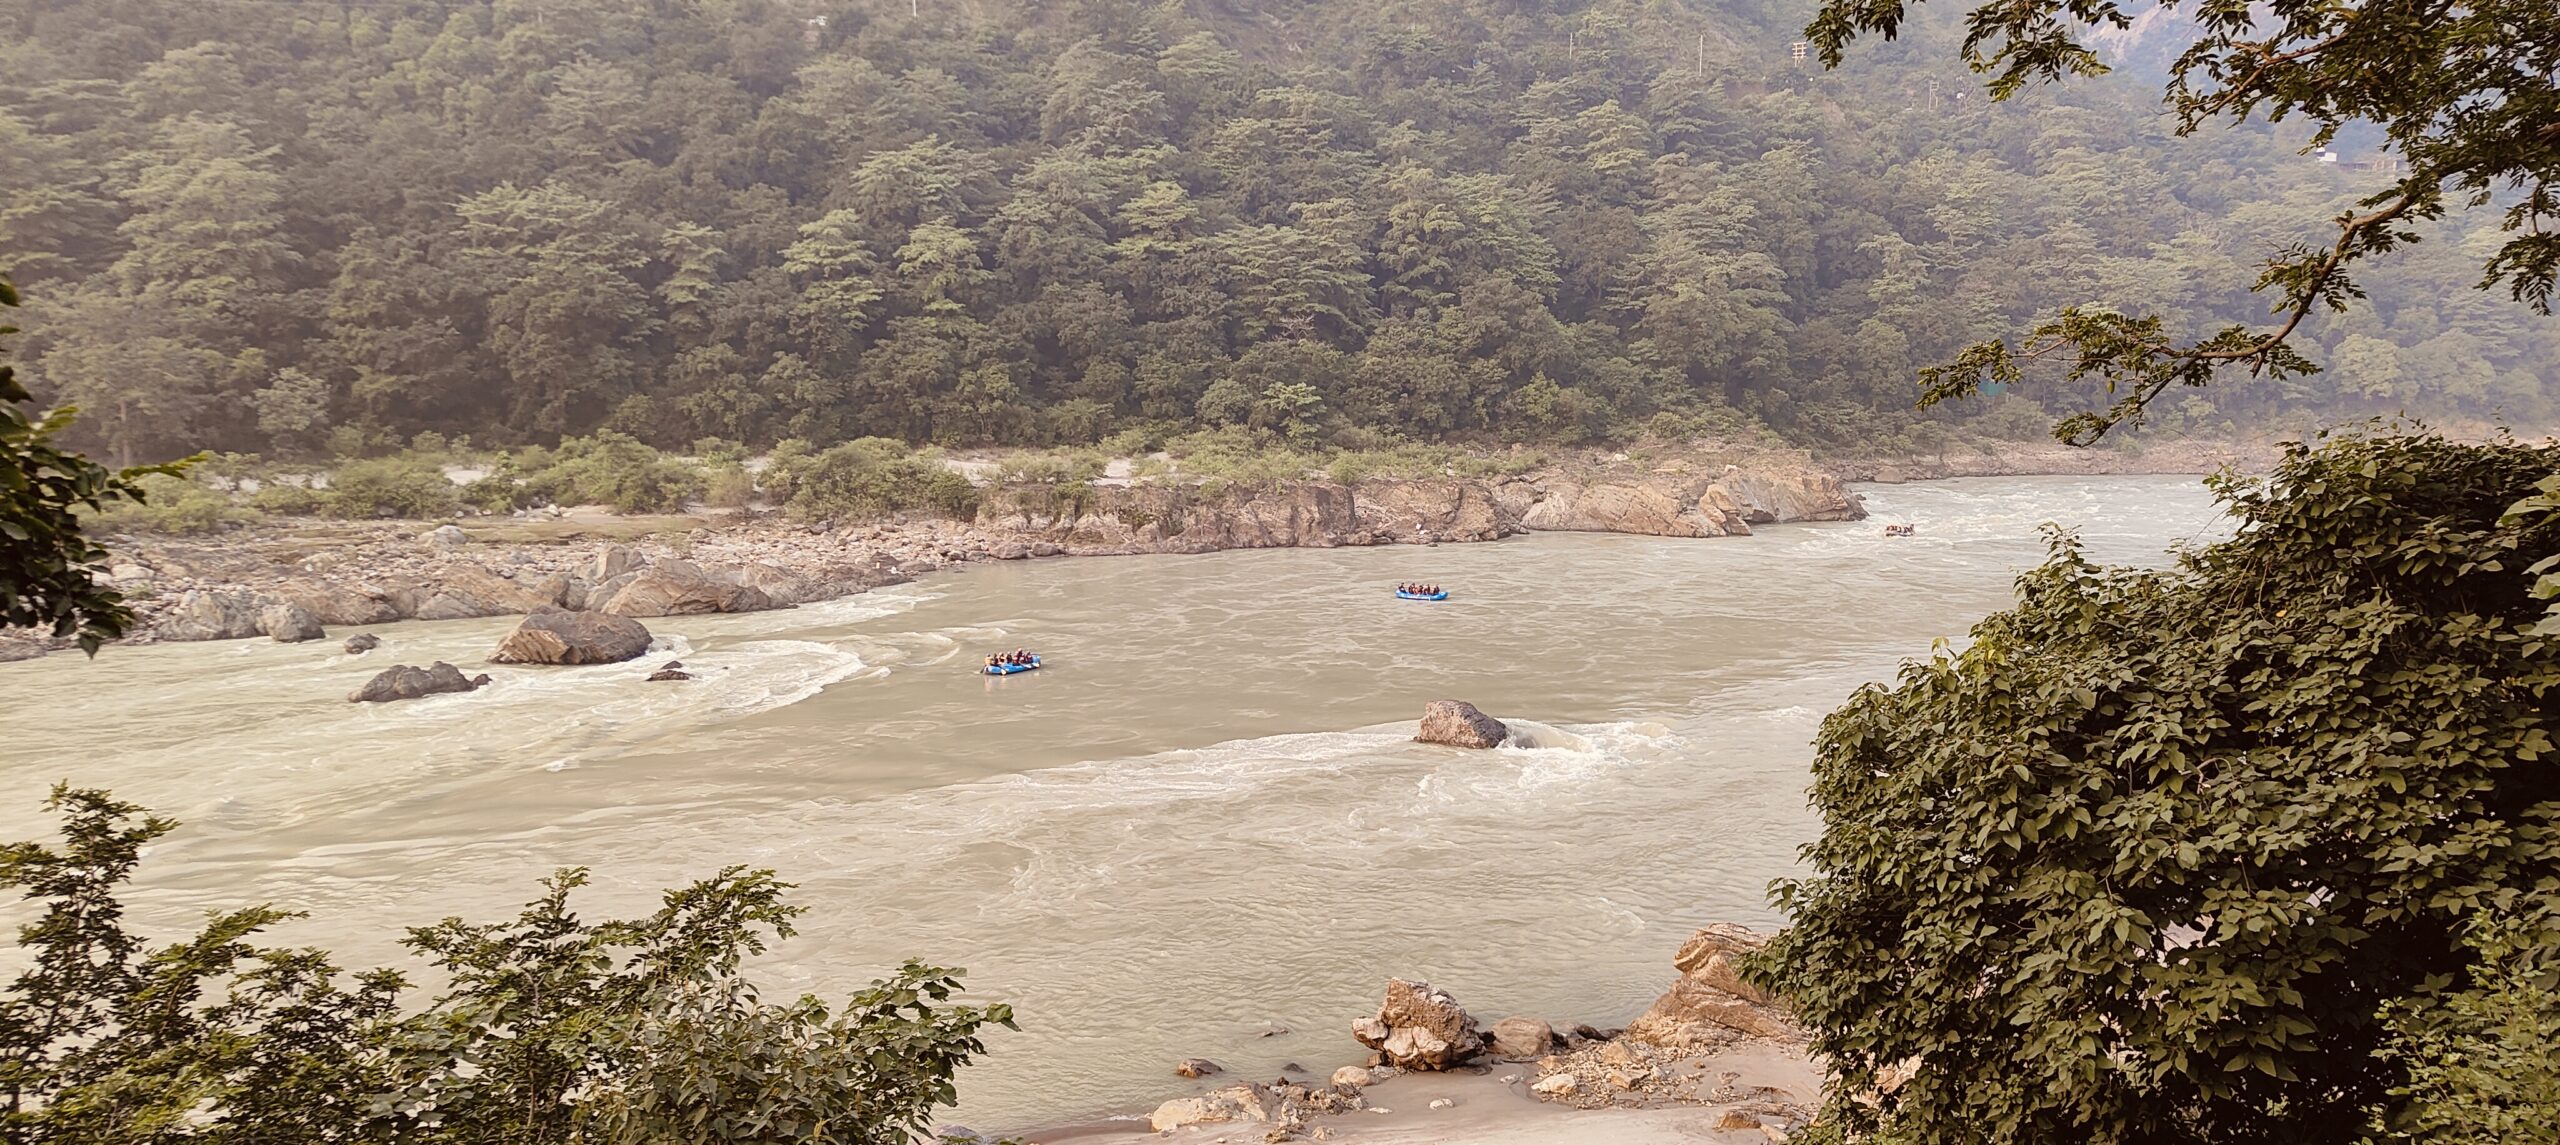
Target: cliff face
(1199, 519)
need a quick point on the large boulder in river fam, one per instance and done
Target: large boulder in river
(362, 642)
(212, 615)
(402, 682)
(289, 624)
(1457, 723)
(683, 588)
(1643, 508)
(1418, 1027)
(558, 636)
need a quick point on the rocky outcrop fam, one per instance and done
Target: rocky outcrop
(290, 624)
(402, 682)
(1615, 507)
(1709, 1004)
(558, 636)
(683, 588)
(1772, 497)
(1209, 518)
(1457, 723)
(1420, 1028)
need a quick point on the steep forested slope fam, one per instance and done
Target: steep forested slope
(284, 226)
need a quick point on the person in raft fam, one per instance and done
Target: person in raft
(1419, 589)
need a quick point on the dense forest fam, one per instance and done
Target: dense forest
(326, 226)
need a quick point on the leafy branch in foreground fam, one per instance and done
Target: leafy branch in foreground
(550, 1028)
(2231, 852)
(2466, 91)
(47, 564)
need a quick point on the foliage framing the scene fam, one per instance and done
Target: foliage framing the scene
(47, 565)
(2467, 93)
(550, 1028)
(2155, 856)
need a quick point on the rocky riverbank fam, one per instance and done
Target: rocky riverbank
(1713, 1060)
(295, 580)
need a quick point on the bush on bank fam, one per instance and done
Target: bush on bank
(2263, 848)
(552, 1029)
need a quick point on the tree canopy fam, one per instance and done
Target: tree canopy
(48, 567)
(2263, 848)
(2464, 93)
(548, 1028)
(291, 228)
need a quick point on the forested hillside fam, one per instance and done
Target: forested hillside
(301, 227)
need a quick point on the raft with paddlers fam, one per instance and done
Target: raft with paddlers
(1012, 663)
(1421, 592)
(1899, 530)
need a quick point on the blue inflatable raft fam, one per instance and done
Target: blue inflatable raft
(1012, 669)
(1401, 594)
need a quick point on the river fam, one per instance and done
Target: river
(1201, 822)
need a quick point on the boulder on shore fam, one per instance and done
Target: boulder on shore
(1710, 1004)
(1523, 1039)
(1420, 1028)
(1234, 1103)
(212, 615)
(682, 588)
(402, 682)
(289, 624)
(557, 636)
(1457, 723)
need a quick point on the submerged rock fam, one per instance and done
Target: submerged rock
(402, 682)
(362, 643)
(1457, 723)
(669, 674)
(1198, 1067)
(1234, 1103)
(1420, 1028)
(558, 636)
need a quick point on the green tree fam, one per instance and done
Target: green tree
(548, 1028)
(48, 567)
(2463, 91)
(2156, 854)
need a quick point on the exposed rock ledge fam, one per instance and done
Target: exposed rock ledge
(289, 580)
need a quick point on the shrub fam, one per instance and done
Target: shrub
(2152, 857)
(288, 499)
(616, 470)
(874, 477)
(730, 487)
(548, 1028)
(406, 487)
(179, 506)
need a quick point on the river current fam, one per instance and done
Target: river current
(1202, 822)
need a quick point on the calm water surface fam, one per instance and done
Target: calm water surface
(1202, 820)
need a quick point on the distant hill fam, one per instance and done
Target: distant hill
(283, 227)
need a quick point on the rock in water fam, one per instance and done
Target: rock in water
(362, 643)
(289, 624)
(669, 674)
(1457, 723)
(558, 636)
(203, 615)
(1234, 1103)
(1420, 1028)
(1198, 1067)
(1522, 1039)
(402, 682)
